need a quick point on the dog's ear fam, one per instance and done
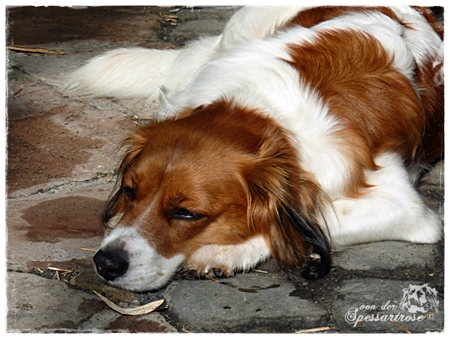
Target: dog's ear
(292, 225)
(112, 210)
(114, 206)
(285, 204)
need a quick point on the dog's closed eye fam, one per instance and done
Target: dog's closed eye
(129, 192)
(184, 214)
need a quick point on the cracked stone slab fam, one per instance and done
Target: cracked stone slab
(83, 142)
(269, 302)
(109, 322)
(195, 25)
(60, 308)
(385, 255)
(59, 25)
(364, 305)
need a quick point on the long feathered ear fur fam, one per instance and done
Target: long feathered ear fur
(286, 204)
(112, 211)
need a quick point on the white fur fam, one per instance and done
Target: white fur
(139, 72)
(147, 269)
(255, 23)
(242, 256)
(392, 210)
(421, 39)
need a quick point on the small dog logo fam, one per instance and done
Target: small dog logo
(419, 299)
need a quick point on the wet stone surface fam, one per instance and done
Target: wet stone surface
(61, 222)
(62, 155)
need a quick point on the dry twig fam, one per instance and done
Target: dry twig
(59, 269)
(34, 50)
(171, 19)
(88, 249)
(313, 330)
(20, 93)
(401, 326)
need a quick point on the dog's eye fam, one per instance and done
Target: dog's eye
(184, 214)
(129, 192)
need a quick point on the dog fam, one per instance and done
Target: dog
(419, 299)
(289, 135)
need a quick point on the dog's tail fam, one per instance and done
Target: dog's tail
(135, 73)
(139, 72)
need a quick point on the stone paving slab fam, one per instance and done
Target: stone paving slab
(62, 154)
(40, 305)
(255, 302)
(387, 255)
(55, 226)
(364, 305)
(83, 142)
(83, 28)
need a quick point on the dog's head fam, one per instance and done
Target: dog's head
(419, 299)
(220, 188)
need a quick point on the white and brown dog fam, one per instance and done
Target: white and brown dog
(287, 135)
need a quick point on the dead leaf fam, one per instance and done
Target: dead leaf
(144, 309)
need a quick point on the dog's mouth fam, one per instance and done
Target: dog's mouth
(134, 276)
(112, 269)
(126, 260)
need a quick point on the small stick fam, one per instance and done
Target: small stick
(313, 330)
(58, 269)
(88, 249)
(34, 50)
(401, 326)
(17, 92)
(135, 117)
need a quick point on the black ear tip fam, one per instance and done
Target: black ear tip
(316, 269)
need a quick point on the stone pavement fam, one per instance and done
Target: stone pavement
(62, 154)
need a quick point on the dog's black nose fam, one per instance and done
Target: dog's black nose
(111, 264)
